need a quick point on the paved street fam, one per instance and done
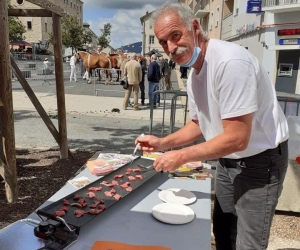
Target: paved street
(90, 122)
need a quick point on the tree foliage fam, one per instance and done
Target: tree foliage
(104, 39)
(15, 27)
(73, 34)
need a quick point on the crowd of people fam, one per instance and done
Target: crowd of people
(157, 69)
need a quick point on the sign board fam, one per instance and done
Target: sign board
(288, 32)
(292, 41)
(253, 6)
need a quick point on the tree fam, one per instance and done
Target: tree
(104, 39)
(15, 27)
(87, 37)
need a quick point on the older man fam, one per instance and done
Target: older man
(233, 104)
(133, 72)
(154, 76)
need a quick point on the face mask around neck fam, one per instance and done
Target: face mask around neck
(195, 55)
(194, 58)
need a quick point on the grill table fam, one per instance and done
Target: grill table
(130, 220)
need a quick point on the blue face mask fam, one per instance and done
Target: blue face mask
(194, 58)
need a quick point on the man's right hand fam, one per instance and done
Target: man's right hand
(149, 143)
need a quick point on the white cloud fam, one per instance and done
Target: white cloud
(126, 24)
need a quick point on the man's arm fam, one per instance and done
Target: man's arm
(234, 138)
(187, 134)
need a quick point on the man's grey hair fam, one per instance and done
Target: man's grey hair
(184, 11)
(132, 56)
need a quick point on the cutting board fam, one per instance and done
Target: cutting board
(112, 245)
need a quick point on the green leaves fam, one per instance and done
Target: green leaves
(104, 39)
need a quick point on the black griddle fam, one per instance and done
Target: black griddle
(70, 217)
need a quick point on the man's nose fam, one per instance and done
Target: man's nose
(171, 46)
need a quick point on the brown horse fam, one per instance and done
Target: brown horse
(115, 60)
(93, 62)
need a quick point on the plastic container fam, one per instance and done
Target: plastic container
(294, 139)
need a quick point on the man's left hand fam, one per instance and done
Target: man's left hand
(168, 162)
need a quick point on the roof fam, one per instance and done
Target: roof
(132, 48)
(143, 18)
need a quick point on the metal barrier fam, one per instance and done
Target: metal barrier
(170, 98)
(103, 82)
(289, 105)
(38, 71)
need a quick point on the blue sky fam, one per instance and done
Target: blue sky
(123, 15)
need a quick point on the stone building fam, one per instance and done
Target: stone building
(38, 28)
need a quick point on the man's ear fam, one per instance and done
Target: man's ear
(196, 26)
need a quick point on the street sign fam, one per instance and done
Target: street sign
(253, 6)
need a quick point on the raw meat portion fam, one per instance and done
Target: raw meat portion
(91, 195)
(139, 177)
(66, 202)
(118, 176)
(131, 178)
(115, 183)
(64, 208)
(129, 189)
(105, 183)
(60, 213)
(76, 197)
(78, 213)
(136, 170)
(76, 204)
(102, 206)
(94, 211)
(125, 185)
(117, 197)
(128, 173)
(95, 188)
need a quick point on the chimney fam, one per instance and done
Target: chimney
(147, 12)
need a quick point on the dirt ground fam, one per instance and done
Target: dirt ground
(41, 173)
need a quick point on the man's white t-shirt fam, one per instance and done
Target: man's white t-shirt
(232, 83)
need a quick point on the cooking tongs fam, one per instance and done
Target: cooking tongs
(145, 168)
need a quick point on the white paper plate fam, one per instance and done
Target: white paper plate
(177, 195)
(172, 213)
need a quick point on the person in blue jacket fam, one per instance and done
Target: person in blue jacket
(153, 79)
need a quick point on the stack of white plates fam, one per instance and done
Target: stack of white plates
(175, 211)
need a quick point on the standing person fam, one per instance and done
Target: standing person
(133, 72)
(233, 104)
(153, 75)
(73, 60)
(142, 83)
(167, 74)
(46, 66)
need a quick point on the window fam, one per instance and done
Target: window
(29, 25)
(217, 17)
(211, 20)
(151, 39)
(46, 28)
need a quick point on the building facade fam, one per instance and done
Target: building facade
(269, 29)
(38, 28)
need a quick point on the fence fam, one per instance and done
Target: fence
(39, 71)
(106, 80)
(169, 103)
(289, 105)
